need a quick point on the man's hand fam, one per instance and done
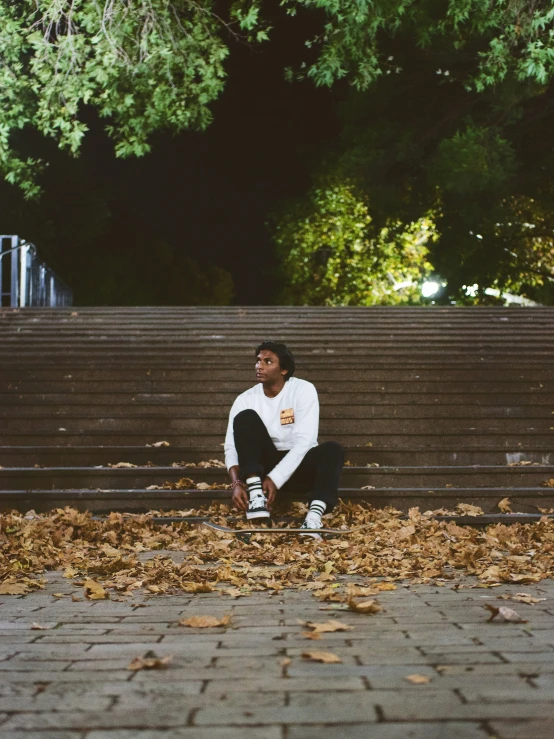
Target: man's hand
(268, 486)
(240, 496)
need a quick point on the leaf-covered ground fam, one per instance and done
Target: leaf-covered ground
(104, 556)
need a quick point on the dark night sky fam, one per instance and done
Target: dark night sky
(206, 193)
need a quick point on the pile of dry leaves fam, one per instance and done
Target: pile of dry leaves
(106, 553)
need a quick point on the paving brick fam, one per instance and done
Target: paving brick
(290, 684)
(421, 708)
(140, 719)
(46, 702)
(20, 665)
(191, 732)
(401, 730)
(523, 729)
(493, 694)
(336, 712)
(49, 734)
(32, 675)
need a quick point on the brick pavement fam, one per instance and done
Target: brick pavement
(250, 681)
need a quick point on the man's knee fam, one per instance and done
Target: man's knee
(332, 450)
(246, 418)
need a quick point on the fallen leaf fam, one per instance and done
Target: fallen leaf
(150, 662)
(469, 510)
(203, 486)
(505, 505)
(126, 465)
(327, 626)
(285, 662)
(365, 606)
(525, 578)
(522, 598)
(203, 622)
(311, 635)
(58, 595)
(368, 487)
(418, 679)
(39, 627)
(327, 657)
(234, 592)
(548, 483)
(13, 588)
(94, 591)
(491, 574)
(507, 614)
(160, 443)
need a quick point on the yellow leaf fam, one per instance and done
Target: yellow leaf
(203, 486)
(94, 591)
(39, 627)
(150, 662)
(418, 679)
(491, 574)
(327, 657)
(525, 578)
(366, 606)
(328, 626)
(203, 622)
(13, 588)
(469, 510)
(122, 465)
(234, 592)
(522, 598)
(505, 505)
(384, 586)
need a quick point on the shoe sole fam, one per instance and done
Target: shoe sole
(257, 514)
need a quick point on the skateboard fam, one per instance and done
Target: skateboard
(276, 530)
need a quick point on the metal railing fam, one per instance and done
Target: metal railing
(27, 281)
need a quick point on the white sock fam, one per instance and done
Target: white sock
(254, 485)
(317, 508)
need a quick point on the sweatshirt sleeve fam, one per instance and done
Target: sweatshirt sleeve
(231, 456)
(304, 437)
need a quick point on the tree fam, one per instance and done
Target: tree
(142, 66)
(154, 64)
(333, 254)
(451, 115)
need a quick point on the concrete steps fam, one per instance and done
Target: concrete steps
(31, 478)
(444, 400)
(525, 500)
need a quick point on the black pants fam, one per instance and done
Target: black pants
(318, 474)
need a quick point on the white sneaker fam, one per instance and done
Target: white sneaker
(312, 522)
(257, 508)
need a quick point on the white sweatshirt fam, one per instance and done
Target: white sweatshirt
(291, 418)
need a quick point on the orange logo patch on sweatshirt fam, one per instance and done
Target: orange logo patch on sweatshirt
(287, 416)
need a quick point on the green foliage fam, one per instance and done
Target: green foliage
(513, 250)
(506, 37)
(143, 66)
(472, 161)
(332, 254)
(162, 277)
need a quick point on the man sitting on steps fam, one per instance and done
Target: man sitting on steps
(271, 442)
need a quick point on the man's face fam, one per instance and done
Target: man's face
(268, 369)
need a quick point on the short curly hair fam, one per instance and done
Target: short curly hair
(286, 360)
